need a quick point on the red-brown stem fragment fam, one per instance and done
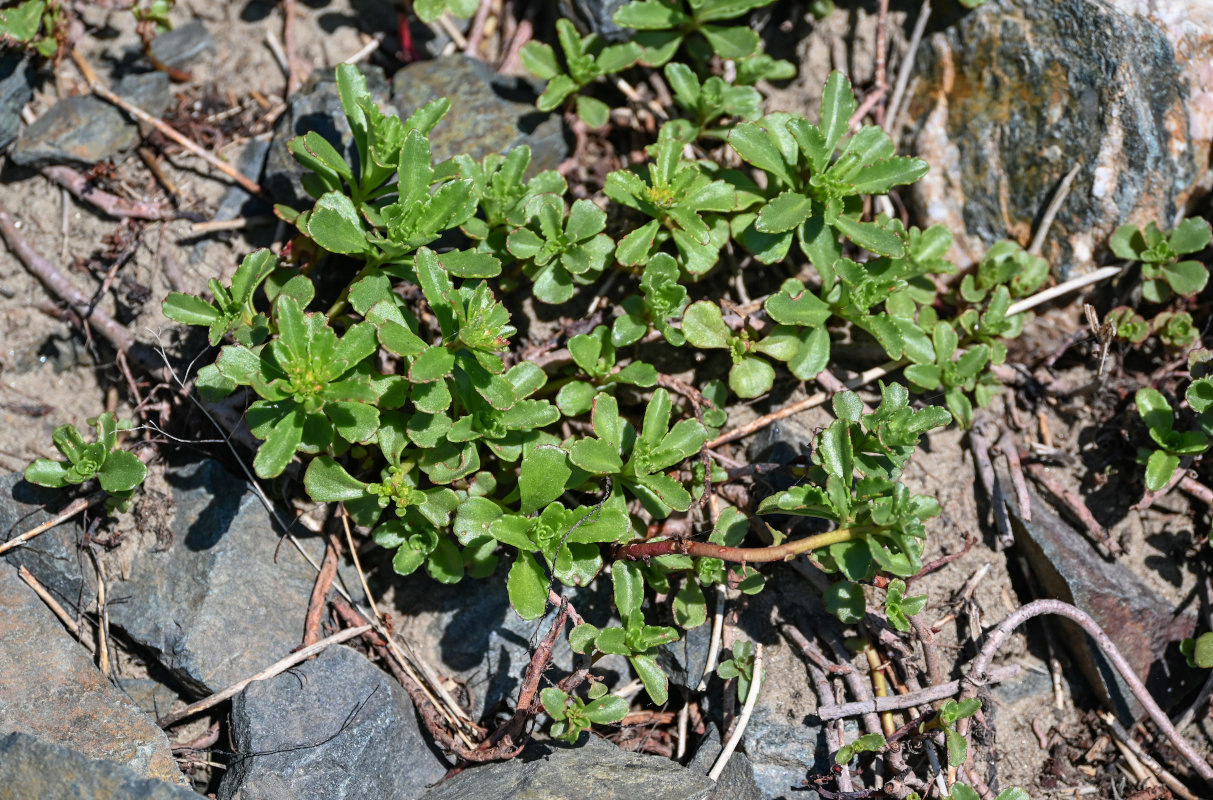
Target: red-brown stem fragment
(117, 334)
(980, 668)
(295, 70)
(107, 203)
(742, 555)
(1197, 489)
(320, 591)
(930, 651)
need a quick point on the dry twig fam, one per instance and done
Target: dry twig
(979, 671)
(72, 509)
(107, 203)
(160, 125)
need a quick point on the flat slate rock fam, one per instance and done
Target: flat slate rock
(1142, 625)
(183, 45)
(315, 107)
(16, 89)
(223, 600)
(490, 113)
(31, 769)
(783, 752)
(83, 130)
(594, 769)
(736, 781)
(51, 690)
(335, 727)
(217, 603)
(1018, 92)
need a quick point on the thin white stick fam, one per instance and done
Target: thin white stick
(275, 46)
(364, 53)
(1046, 221)
(907, 66)
(933, 757)
(1103, 273)
(751, 699)
(683, 719)
(458, 38)
(714, 645)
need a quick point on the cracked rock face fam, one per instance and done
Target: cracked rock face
(1019, 92)
(52, 693)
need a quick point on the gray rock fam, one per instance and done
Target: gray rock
(489, 112)
(79, 131)
(52, 691)
(336, 726)
(1141, 624)
(236, 200)
(151, 91)
(598, 16)
(83, 130)
(594, 769)
(183, 45)
(783, 752)
(1018, 92)
(782, 783)
(31, 769)
(736, 782)
(215, 605)
(52, 557)
(685, 660)
(16, 89)
(315, 107)
(223, 600)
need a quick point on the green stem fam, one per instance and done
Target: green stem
(745, 555)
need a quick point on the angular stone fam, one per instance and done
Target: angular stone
(31, 769)
(315, 107)
(79, 131)
(183, 45)
(52, 557)
(16, 89)
(151, 91)
(598, 16)
(1142, 625)
(490, 113)
(223, 600)
(1018, 92)
(336, 726)
(736, 781)
(685, 660)
(594, 769)
(52, 691)
(782, 752)
(83, 130)
(217, 604)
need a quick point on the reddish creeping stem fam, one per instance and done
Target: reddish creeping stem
(407, 54)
